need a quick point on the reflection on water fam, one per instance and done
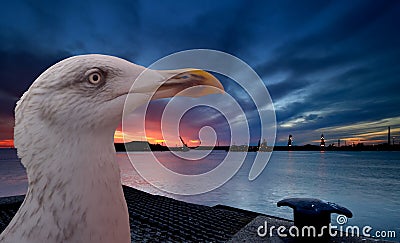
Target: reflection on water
(13, 180)
(368, 183)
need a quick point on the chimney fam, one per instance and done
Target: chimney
(388, 135)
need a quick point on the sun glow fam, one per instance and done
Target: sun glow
(119, 137)
(6, 143)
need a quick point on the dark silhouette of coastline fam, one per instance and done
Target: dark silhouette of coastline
(356, 147)
(146, 146)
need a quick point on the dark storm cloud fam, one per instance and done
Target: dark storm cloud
(19, 69)
(73, 26)
(364, 31)
(237, 27)
(369, 93)
(286, 87)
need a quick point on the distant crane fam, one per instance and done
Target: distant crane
(185, 147)
(183, 142)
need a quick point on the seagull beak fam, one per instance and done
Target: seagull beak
(188, 82)
(178, 82)
(158, 84)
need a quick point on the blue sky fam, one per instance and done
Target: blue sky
(330, 66)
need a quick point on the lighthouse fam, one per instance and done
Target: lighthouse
(322, 144)
(290, 140)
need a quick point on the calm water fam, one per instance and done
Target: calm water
(368, 183)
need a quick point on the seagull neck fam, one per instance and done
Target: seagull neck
(76, 185)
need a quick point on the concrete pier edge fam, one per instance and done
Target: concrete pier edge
(160, 218)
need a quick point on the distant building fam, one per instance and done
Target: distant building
(322, 141)
(137, 146)
(290, 140)
(262, 147)
(388, 135)
(240, 148)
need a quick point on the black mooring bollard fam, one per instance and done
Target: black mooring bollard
(313, 212)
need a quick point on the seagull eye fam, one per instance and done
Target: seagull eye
(95, 78)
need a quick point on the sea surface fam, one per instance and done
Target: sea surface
(367, 183)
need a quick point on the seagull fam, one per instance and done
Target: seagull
(64, 129)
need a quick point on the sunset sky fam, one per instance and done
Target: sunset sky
(331, 67)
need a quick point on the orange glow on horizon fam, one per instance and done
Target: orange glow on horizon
(7, 143)
(152, 137)
(119, 137)
(194, 141)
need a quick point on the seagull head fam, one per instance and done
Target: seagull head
(87, 94)
(91, 89)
